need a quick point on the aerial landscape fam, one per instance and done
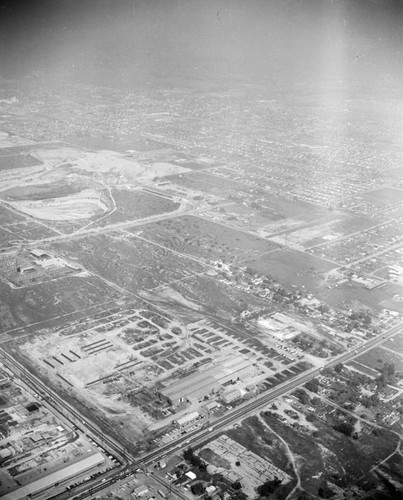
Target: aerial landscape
(201, 249)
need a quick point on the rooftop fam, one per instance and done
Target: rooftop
(59, 476)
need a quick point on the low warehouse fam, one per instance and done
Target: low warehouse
(55, 478)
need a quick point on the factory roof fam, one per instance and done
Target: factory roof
(59, 476)
(192, 386)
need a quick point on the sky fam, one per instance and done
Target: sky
(283, 42)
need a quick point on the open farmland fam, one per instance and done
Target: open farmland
(8, 239)
(211, 184)
(206, 293)
(292, 267)
(9, 217)
(136, 204)
(383, 196)
(27, 148)
(16, 228)
(395, 343)
(203, 238)
(377, 357)
(325, 229)
(42, 191)
(18, 161)
(31, 230)
(132, 264)
(359, 297)
(19, 307)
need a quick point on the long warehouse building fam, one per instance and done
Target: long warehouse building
(56, 478)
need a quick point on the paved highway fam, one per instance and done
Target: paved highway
(61, 406)
(190, 439)
(185, 207)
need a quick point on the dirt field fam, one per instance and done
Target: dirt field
(42, 191)
(395, 343)
(376, 357)
(292, 267)
(331, 455)
(8, 216)
(18, 161)
(383, 196)
(133, 264)
(83, 205)
(134, 205)
(216, 297)
(43, 302)
(203, 238)
(359, 297)
(204, 182)
(325, 229)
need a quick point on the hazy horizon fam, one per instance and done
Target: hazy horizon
(280, 42)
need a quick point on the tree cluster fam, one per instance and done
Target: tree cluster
(194, 460)
(345, 428)
(302, 396)
(198, 489)
(388, 373)
(269, 487)
(312, 385)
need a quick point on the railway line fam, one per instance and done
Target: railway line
(130, 464)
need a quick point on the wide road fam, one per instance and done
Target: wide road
(191, 439)
(185, 207)
(62, 407)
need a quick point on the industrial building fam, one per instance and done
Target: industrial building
(196, 386)
(188, 418)
(56, 478)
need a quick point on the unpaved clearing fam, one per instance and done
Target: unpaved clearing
(81, 205)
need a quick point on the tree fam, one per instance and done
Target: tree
(345, 428)
(302, 396)
(315, 401)
(312, 385)
(268, 487)
(188, 454)
(338, 368)
(198, 489)
(237, 485)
